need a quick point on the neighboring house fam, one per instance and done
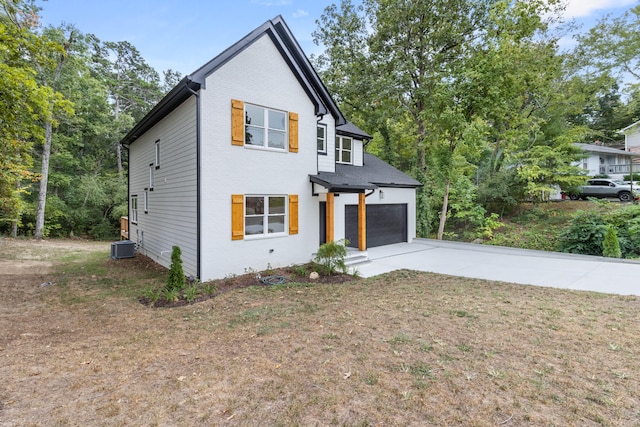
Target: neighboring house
(632, 142)
(601, 160)
(248, 163)
(632, 137)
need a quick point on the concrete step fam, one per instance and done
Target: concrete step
(355, 258)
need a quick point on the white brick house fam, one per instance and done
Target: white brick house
(249, 163)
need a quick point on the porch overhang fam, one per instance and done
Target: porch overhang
(333, 183)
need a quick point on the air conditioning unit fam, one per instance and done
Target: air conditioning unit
(123, 249)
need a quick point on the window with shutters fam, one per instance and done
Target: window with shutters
(263, 215)
(261, 127)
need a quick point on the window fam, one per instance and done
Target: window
(157, 159)
(344, 147)
(264, 215)
(146, 201)
(134, 209)
(322, 139)
(258, 215)
(265, 127)
(152, 170)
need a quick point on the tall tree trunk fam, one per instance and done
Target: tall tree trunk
(118, 147)
(445, 207)
(42, 195)
(48, 134)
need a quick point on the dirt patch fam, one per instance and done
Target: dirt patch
(405, 348)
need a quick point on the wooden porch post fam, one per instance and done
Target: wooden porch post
(329, 217)
(362, 223)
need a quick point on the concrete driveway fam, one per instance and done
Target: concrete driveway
(528, 267)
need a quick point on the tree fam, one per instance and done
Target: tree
(24, 102)
(613, 45)
(57, 105)
(134, 86)
(459, 77)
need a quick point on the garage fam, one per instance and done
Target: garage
(386, 224)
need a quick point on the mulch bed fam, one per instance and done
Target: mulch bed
(221, 286)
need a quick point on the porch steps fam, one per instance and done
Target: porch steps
(356, 258)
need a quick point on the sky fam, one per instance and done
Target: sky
(182, 36)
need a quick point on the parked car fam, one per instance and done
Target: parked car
(603, 188)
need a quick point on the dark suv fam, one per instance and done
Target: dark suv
(601, 188)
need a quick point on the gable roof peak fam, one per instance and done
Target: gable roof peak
(292, 53)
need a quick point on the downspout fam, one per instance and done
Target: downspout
(198, 178)
(126, 147)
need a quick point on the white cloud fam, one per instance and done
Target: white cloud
(300, 13)
(584, 8)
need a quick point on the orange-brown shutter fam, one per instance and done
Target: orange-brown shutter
(293, 214)
(293, 132)
(237, 217)
(237, 122)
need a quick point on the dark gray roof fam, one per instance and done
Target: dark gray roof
(353, 179)
(292, 53)
(349, 129)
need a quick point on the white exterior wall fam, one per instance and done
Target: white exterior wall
(172, 216)
(632, 139)
(593, 164)
(391, 196)
(327, 162)
(258, 75)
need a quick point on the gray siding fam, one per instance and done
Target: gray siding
(171, 219)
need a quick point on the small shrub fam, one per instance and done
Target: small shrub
(176, 278)
(331, 256)
(171, 295)
(209, 288)
(611, 246)
(300, 270)
(151, 294)
(584, 235)
(191, 292)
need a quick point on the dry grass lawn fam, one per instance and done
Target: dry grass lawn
(404, 349)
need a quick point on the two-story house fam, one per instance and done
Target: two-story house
(248, 163)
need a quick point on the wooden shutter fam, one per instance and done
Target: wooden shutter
(293, 132)
(237, 217)
(293, 214)
(237, 122)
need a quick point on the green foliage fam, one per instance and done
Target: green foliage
(584, 235)
(331, 255)
(176, 279)
(636, 177)
(191, 292)
(611, 246)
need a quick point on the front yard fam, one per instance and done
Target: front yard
(402, 349)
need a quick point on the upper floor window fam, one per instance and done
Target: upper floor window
(322, 139)
(344, 149)
(157, 158)
(265, 127)
(152, 178)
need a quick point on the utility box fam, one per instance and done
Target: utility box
(123, 249)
